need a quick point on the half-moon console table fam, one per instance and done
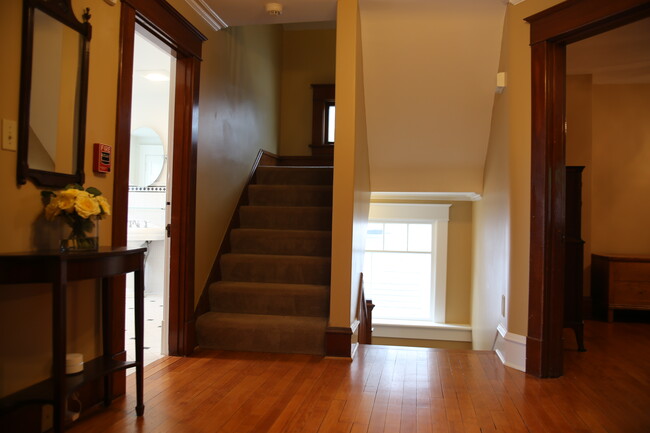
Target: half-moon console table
(58, 268)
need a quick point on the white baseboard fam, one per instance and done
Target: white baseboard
(511, 348)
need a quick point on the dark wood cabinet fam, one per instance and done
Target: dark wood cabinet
(574, 255)
(57, 269)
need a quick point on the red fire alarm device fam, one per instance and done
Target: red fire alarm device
(102, 158)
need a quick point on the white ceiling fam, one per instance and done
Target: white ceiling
(619, 56)
(249, 12)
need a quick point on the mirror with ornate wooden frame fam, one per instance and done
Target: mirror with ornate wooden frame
(53, 93)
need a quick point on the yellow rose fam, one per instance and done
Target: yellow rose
(86, 205)
(66, 199)
(103, 204)
(52, 210)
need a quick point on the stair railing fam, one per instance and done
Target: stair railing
(365, 315)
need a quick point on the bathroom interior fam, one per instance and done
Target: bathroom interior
(149, 198)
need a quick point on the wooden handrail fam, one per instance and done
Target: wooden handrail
(365, 315)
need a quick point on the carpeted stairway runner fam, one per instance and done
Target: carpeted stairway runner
(274, 292)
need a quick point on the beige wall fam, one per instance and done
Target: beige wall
(608, 132)
(351, 175)
(239, 99)
(308, 57)
(502, 218)
(621, 180)
(459, 263)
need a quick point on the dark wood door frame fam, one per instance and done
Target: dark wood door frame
(158, 17)
(550, 31)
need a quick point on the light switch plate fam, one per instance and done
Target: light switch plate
(9, 134)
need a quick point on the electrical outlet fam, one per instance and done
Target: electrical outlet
(47, 417)
(9, 134)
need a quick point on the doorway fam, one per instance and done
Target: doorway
(551, 31)
(178, 36)
(149, 208)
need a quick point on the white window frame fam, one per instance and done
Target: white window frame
(438, 216)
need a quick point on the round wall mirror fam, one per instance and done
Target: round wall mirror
(147, 157)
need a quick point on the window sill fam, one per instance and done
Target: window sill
(421, 330)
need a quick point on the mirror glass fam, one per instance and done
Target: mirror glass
(147, 157)
(53, 92)
(54, 99)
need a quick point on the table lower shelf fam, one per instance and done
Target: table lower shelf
(43, 392)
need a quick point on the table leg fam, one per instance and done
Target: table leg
(139, 337)
(107, 340)
(59, 349)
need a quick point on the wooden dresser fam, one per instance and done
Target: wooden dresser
(619, 282)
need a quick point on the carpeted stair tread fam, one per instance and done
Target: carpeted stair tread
(286, 217)
(269, 268)
(281, 242)
(269, 298)
(275, 175)
(273, 293)
(290, 195)
(262, 333)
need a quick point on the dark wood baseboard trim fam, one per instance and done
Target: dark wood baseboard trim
(533, 351)
(318, 160)
(320, 150)
(338, 342)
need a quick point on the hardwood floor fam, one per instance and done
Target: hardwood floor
(394, 389)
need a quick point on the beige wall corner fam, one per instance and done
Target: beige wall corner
(351, 175)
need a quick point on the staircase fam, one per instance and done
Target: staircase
(273, 294)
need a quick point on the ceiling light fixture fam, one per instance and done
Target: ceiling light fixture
(274, 9)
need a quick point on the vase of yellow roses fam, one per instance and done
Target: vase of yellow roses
(81, 209)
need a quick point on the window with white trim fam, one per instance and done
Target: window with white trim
(405, 265)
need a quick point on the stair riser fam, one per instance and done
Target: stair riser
(313, 304)
(281, 218)
(283, 242)
(293, 176)
(263, 195)
(276, 271)
(259, 337)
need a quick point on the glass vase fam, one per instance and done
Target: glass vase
(81, 235)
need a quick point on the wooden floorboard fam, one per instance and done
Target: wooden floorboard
(391, 389)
